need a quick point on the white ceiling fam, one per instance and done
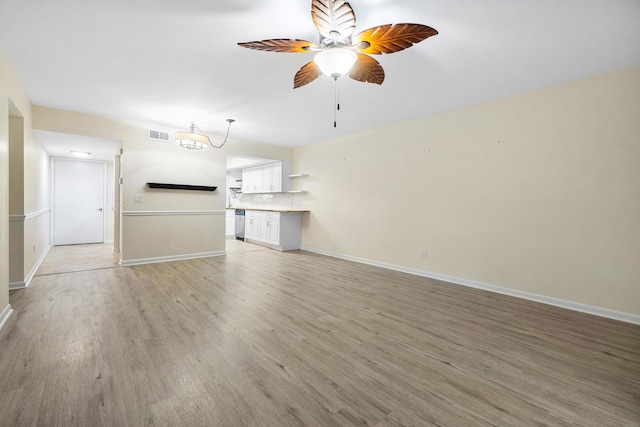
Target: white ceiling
(62, 144)
(166, 63)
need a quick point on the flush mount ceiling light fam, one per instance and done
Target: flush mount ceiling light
(193, 140)
(80, 153)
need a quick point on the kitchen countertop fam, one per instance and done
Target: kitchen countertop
(269, 210)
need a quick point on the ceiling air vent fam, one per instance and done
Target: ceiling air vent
(157, 135)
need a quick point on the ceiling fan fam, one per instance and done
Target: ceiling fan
(338, 51)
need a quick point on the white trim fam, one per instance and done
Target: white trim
(21, 285)
(172, 213)
(4, 316)
(171, 258)
(36, 266)
(29, 215)
(37, 214)
(570, 305)
(17, 285)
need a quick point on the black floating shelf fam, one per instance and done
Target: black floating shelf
(181, 187)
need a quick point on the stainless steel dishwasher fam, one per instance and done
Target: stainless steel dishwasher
(239, 224)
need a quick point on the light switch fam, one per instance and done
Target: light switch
(137, 198)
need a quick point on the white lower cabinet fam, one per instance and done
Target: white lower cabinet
(277, 230)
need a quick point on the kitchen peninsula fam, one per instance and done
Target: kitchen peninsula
(277, 229)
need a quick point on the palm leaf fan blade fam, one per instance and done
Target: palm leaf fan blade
(333, 15)
(391, 38)
(308, 73)
(367, 70)
(280, 45)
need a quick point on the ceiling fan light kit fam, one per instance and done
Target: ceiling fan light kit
(335, 61)
(193, 140)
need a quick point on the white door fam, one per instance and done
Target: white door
(78, 202)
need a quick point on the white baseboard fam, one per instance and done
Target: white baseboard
(171, 258)
(584, 308)
(21, 285)
(17, 285)
(4, 316)
(36, 266)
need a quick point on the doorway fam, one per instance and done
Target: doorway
(79, 189)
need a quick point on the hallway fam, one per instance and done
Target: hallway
(72, 258)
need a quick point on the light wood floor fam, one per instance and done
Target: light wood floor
(264, 338)
(68, 258)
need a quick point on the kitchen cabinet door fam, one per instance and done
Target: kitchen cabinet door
(272, 177)
(246, 181)
(252, 180)
(250, 226)
(273, 232)
(263, 228)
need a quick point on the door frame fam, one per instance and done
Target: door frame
(104, 194)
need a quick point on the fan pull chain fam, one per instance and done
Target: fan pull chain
(336, 100)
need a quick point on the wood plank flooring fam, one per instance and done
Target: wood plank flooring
(67, 258)
(264, 338)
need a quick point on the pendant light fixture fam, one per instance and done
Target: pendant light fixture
(193, 140)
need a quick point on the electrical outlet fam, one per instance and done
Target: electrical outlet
(137, 198)
(424, 253)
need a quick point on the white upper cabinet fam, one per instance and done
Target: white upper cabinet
(250, 179)
(267, 178)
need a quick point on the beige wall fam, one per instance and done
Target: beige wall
(16, 164)
(37, 176)
(537, 193)
(168, 224)
(16, 197)
(29, 201)
(11, 94)
(37, 227)
(34, 234)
